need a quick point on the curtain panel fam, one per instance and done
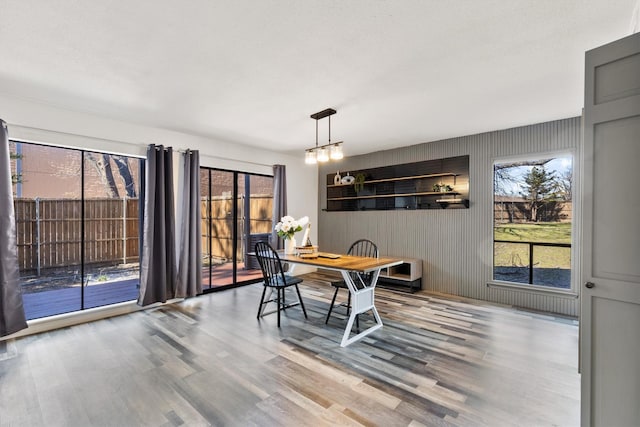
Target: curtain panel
(12, 317)
(158, 258)
(279, 203)
(189, 282)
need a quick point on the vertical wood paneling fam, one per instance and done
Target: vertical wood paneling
(455, 245)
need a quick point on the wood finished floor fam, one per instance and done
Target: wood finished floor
(438, 361)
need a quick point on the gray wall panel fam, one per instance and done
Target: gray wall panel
(455, 244)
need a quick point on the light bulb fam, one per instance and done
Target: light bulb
(322, 155)
(310, 157)
(336, 152)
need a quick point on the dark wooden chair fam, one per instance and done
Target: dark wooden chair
(362, 247)
(275, 279)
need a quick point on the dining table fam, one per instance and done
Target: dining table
(362, 294)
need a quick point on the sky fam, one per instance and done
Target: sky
(559, 164)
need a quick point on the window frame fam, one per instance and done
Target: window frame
(572, 291)
(82, 151)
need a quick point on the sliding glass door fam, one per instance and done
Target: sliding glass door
(48, 206)
(111, 264)
(236, 213)
(76, 227)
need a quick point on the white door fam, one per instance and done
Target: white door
(610, 304)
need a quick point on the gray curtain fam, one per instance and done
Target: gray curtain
(279, 202)
(12, 318)
(189, 282)
(158, 258)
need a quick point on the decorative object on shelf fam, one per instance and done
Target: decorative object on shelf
(287, 228)
(358, 184)
(442, 188)
(322, 153)
(347, 179)
(337, 179)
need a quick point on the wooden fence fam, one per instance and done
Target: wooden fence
(49, 231)
(219, 248)
(518, 211)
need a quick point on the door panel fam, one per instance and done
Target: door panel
(616, 346)
(610, 297)
(616, 219)
(111, 245)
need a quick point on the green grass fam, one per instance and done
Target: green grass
(547, 232)
(517, 255)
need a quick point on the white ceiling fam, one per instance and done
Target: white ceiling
(399, 72)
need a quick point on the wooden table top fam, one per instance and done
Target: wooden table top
(345, 262)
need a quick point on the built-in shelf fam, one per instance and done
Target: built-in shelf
(404, 186)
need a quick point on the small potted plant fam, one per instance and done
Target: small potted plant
(442, 188)
(358, 184)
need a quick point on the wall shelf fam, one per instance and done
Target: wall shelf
(403, 178)
(404, 186)
(377, 196)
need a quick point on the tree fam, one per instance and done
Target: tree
(539, 187)
(503, 175)
(506, 178)
(102, 164)
(15, 155)
(15, 177)
(565, 184)
(125, 172)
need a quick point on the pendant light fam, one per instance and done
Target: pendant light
(322, 153)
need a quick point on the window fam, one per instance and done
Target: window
(76, 227)
(532, 221)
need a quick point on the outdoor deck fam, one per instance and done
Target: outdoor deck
(59, 301)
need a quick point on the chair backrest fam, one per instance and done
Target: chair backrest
(363, 247)
(270, 264)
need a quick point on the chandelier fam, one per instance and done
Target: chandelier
(322, 153)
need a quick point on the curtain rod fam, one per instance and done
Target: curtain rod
(134, 144)
(235, 160)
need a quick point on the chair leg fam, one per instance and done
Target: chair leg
(333, 301)
(264, 291)
(301, 303)
(278, 302)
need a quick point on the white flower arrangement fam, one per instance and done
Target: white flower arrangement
(288, 226)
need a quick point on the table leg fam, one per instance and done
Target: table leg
(362, 300)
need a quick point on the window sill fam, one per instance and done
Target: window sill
(65, 320)
(534, 289)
